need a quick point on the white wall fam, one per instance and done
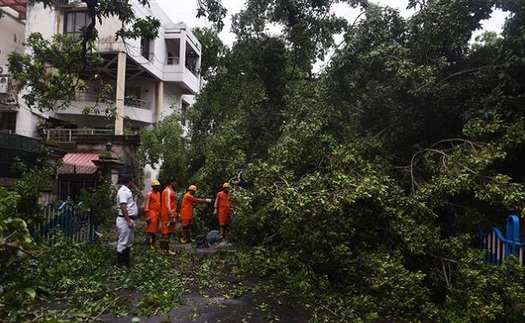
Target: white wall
(27, 120)
(44, 21)
(12, 35)
(172, 99)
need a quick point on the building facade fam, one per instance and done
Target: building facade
(12, 29)
(151, 78)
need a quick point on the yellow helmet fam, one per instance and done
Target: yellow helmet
(155, 183)
(226, 185)
(192, 188)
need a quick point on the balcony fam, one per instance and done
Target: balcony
(182, 61)
(187, 80)
(8, 102)
(129, 101)
(134, 108)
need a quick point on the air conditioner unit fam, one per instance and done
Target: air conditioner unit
(4, 84)
(4, 70)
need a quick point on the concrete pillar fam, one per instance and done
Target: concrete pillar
(199, 71)
(159, 100)
(121, 88)
(198, 62)
(183, 49)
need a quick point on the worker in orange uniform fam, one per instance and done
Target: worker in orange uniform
(186, 212)
(152, 209)
(223, 209)
(168, 215)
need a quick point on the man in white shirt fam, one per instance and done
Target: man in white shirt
(127, 214)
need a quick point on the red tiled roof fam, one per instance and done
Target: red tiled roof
(78, 163)
(19, 6)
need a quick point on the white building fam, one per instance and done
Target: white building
(160, 74)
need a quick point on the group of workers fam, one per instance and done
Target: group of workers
(161, 214)
(161, 211)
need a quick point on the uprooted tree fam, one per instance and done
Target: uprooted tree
(370, 180)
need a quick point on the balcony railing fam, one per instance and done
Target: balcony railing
(136, 103)
(71, 135)
(129, 101)
(172, 60)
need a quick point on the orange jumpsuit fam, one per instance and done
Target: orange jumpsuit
(169, 210)
(186, 208)
(223, 205)
(152, 209)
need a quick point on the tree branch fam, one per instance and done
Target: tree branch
(466, 72)
(107, 306)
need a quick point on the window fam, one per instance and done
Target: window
(172, 51)
(172, 59)
(184, 112)
(75, 22)
(144, 47)
(8, 122)
(192, 59)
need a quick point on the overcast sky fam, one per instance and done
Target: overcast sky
(186, 10)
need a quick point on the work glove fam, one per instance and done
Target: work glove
(215, 212)
(208, 200)
(148, 221)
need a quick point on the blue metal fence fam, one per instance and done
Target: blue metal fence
(76, 224)
(499, 246)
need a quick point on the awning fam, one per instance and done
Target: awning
(78, 163)
(19, 6)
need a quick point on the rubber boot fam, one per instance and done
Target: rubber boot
(222, 232)
(126, 253)
(183, 238)
(165, 246)
(150, 240)
(188, 235)
(121, 263)
(162, 244)
(153, 240)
